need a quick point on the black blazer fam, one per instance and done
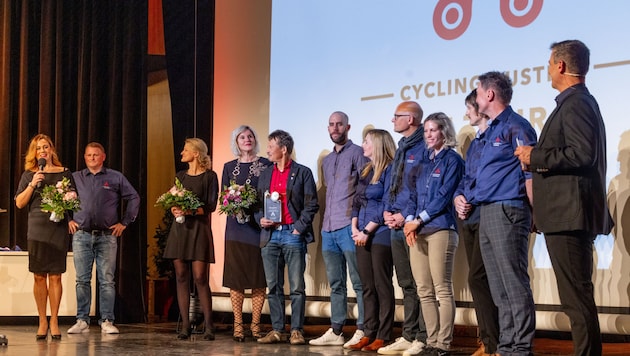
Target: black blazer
(302, 201)
(569, 167)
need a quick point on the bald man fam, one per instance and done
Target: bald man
(411, 152)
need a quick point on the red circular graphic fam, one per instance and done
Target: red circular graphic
(520, 13)
(451, 18)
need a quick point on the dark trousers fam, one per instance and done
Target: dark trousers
(503, 238)
(571, 256)
(376, 269)
(413, 327)
(486, 311)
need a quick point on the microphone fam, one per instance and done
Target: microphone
(41, 163)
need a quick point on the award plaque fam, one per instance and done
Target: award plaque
(273, 207)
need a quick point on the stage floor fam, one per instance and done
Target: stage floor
(159, 339)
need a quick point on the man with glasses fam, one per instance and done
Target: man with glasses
(411, 151)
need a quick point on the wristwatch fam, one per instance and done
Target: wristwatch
(365, 231)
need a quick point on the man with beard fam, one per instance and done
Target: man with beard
(342, 168)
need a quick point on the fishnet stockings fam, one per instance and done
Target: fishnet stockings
(237, 297)
(258, 300)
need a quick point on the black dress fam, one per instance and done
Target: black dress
(47, 241)
(243, 266)
(192, 239)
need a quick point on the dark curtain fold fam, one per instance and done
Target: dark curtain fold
(189, 44)
(75, 70)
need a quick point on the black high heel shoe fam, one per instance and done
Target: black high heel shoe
(239, 332)
(184, 334)
(208, 335)
(42, 337)
(255, 330)
(56, 337)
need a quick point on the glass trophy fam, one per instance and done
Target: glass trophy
(273, 207)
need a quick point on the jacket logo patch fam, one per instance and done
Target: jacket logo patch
(498, 142)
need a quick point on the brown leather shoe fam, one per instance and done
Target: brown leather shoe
(375, 345)
(271, 338)
(297, 338)
(481, 351)
(361, 344)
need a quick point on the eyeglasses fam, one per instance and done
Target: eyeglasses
(396, 116)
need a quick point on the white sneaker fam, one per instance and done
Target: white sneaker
(355, 339)
(107, 327)
(328, 339)
(395, 348)
(81, 326)
(415, 349)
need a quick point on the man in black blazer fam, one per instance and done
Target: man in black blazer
(569, 186)
(284, 242)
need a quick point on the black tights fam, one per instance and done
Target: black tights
(200, 277)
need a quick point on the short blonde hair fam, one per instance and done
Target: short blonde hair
(239, 130)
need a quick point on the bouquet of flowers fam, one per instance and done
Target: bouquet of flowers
(236, 199)
(180, 197)
(58, 198)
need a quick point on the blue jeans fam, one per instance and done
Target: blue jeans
(285, 249)
(88, 248)
(339, 251)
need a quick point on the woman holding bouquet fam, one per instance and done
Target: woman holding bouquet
(190, 243)
(47, 240)
(243, 267)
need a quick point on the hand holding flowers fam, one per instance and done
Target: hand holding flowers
(236, 199)
(179, 197)
(59, 198)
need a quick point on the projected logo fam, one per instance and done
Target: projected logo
(451, 18)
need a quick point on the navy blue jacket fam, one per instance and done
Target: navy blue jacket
(413, 158)
(436, 182)
(499, 173)
(369, 204)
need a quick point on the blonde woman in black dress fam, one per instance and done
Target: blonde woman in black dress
(47, 240)
(190, 243)
(243, 267)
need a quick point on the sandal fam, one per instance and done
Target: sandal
(183, 336)
(239, 333)
(209, 334)
(184, 333)
(256, 332)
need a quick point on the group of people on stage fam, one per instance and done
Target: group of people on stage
(404, 209)
(387, 209)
